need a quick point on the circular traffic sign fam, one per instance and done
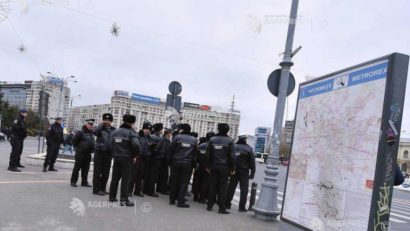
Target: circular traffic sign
(175, 88)
(273, 83)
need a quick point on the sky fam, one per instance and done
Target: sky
(215, 49)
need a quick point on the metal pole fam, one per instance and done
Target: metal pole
(59, 101)
(266, 207)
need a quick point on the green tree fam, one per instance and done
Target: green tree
(32, 120)
(9, 115)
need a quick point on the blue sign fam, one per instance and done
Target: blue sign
(364, 75)
(145, 99)
(55, 81)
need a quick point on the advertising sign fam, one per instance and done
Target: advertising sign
(191, 105)
(121, 93)
(145, 99)
(205, 107)
(54, 80)
(341, 168)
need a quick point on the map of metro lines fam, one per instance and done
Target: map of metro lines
(334, 151)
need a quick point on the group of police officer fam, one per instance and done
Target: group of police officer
(143, 160)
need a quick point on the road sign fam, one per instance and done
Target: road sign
(175, 88)
(273, 83)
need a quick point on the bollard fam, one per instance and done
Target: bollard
(253, 195)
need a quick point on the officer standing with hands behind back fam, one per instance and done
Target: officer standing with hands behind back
(245, 162)
(17, 135)
(220, 164)
(55, 138)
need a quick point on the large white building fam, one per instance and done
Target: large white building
(202, 118)
(56, 96)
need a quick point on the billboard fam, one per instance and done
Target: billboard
(341, 167)
(54, 80)
(121, 93)
(205, 107)
(145, 99)
(191, 105)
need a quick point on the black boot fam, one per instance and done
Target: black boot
(51, 168)
(14, 169)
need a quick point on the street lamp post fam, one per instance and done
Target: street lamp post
(266, 207)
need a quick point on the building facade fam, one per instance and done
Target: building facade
(262, 139)
(202, 119)
(49, 97)
(287, 131)
(58, 95)
(15, 94)
(403, 159)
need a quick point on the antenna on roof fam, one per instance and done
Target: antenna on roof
(233, 103)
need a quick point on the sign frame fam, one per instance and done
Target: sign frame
(395, 89)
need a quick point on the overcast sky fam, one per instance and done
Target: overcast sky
(214, 48)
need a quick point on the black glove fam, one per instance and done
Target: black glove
(251, 177)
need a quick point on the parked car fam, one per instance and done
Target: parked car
(2, 137)
(261, 157)
(406, 184)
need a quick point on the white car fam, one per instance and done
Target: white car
(2, 137)
(406, 184)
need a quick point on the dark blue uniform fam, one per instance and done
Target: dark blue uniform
(55, 138)
(17, 135)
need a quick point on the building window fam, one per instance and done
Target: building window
(404, 167)
(406, 154)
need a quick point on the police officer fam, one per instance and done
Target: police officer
(139, 166)
(220, 164)
(55, 138)
(83, 142)
(154, 159)
(17, 135)
(163, 186)
(201, 176)
(245, 161)
(182, 150)
(125, 151)
(102, 155)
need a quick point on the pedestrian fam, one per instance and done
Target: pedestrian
(182, 150)
(201, 176)
(245, 171)
(102, 154)
(69, 143)
(139, 166)
(125, 150)
(163, 185)
(220, 164)
(17, 135)
(55, 138)
(154, 159)
(83, 142)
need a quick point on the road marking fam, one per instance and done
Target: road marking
(17, 172)
(398, 215)
(397, 220)
(33, 181)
